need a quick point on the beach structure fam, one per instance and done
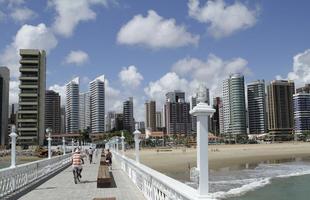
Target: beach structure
(301, 113)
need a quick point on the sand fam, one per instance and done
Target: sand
(176, 163)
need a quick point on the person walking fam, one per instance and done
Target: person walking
(108, 159)
(90, 154)
(77, 162)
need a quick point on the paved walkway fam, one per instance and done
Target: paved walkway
(62, 186)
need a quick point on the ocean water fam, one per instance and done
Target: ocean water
(277, 180)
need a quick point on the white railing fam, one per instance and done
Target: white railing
(15, 179)
(155, 185)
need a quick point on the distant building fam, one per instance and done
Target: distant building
(150, 115)
(159, 120)
(141, 125)
(119, 121)
(52, 111)
(178, 119)
(128, 119)
(215, 119)
(4, 104)
(63, 119)
(302, 113)
(31, 113)
(280, 109)
(234, 112)
(97, 105)
(84, 111)
(257, 114)
(305, 89)
(72, 106)
(110, 121)
(221, 118)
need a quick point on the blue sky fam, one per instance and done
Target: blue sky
(146, 48)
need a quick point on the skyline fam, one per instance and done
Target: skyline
(263, 43)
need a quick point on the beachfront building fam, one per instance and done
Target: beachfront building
(159, 123)
(305, 89)
(280, 109)
(4, 104)
(31, 112)
(301, 113)
(97, 105)
(128, 120)
(178, 119)
(150, 115)
(234, 111)
(72, 106)
(84, 111)
(119, 121)
(215, 119)
(257, 116)
(110, 121)
(52, 111)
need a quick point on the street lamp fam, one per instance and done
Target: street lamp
(137, 134)
(49, 140)
(13, 136)
(123, 145)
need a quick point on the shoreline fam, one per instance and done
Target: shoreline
(177, 163)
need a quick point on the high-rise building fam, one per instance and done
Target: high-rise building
(159, 119)
(305, 89)
(4, 104)
(97, 105)
(63, 119)
(128, 119)
(31, 112)
(221, 118)
(215, 119)
(52, 111)
(280, 109)
(84, 111)
(257, 115)
(178, 119)
(301, 113)
(150, 115)
(193, 103)
(234, 111)
(72, 106)
(110, 121)
(119, 121)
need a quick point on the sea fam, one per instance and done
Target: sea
(287, 179)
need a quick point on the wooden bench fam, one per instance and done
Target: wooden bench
(107, 198)
(104, 178)
(103, 161)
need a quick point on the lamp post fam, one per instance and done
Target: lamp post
(117, 140)
(72, 145)
(202, 111)
(64, 145)
(49, 140)
(13, 136)
(137, 134)
(123, 145)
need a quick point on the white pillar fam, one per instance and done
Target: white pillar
(123, 145)
(137, 133)
(116, 144)
(202, 111)
(64, 145)
(49, 140)
(13, 136)
(72, 146)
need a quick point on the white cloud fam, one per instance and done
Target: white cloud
(130, 77)
(301, 69)
(77, 57)
(12, 3)
(14, 91)
(2, 16)
(28, 36)
(113, 98)
(155, 32)
(23, 14)
(69, 14)
(223, 19)
(189, 72)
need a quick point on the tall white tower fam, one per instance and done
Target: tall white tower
(72, 106)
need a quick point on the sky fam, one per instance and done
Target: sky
(145, 48)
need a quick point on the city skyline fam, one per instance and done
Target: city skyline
(195, 48)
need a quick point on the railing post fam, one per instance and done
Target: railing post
(123, 145)
(49, 140)
(116, 139)
(137, 133)
(202, 111)
(64, 145)
(13, 136)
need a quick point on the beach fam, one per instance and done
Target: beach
(176, 163)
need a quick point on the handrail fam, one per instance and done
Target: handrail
(15, 179)
(155, 185)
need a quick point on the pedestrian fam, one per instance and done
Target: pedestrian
(90, 154)
(108, 159)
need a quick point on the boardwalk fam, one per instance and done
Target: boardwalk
(62, 186)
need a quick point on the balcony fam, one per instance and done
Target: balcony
(27, 112)
(28, 94)
(27, 120)
(25, 69)
(26, 78)
(23, 86)
(28, 103)
(28, 129)
(29, 61)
